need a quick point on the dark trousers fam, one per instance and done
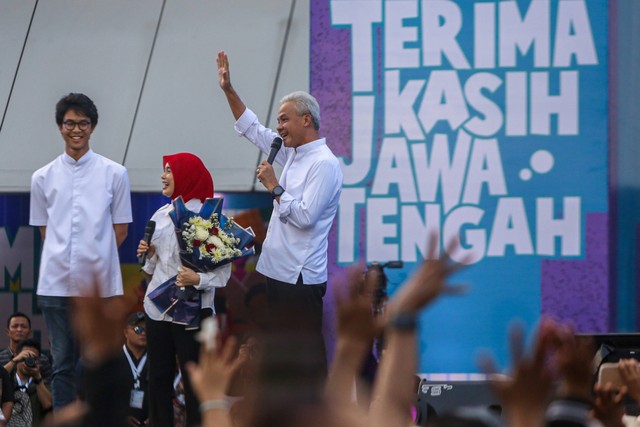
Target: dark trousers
(296, 310)
(165, 341)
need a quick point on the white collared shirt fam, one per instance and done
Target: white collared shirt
(296, 239)
(166, 260)
(78, 202)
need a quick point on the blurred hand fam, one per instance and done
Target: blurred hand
(98, 324)
(20, 357)
(630, 374)
(428, 282)
(526, 393)
(573, 359)
(133, 422)
(608, 406)
(35, 371)
(210, 377)
(354, 300)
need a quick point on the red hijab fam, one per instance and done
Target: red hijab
(191, 179)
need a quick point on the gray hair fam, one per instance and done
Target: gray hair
(305, 104)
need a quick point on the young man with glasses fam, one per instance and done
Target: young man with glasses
(82, 204)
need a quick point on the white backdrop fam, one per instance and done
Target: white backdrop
(156, 94)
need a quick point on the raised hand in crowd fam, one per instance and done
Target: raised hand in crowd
(429, 281)
(210, 378)
(608, 404)
(98, 325)
(526, 392)
(630, 375)
(394, 393)
(356, 330)
(573, 360)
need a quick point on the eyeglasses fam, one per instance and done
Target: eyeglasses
(139, 330)
(71, 124)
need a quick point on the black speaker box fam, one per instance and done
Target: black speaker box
(442, 397)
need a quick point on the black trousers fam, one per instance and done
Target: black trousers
(296, 310)
(165, 342)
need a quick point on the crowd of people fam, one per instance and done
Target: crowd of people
(550, 382)
(111, 367)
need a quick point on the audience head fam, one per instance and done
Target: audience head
(18, 327)
(135, 332)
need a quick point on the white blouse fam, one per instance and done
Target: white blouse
(166, 260)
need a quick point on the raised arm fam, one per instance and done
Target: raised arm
(393, 389)
(355, 330)
(224, 78)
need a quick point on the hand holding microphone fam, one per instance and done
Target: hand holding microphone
(265, 172)
(275, 147)
(145, 248)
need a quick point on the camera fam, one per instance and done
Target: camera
(30, 361)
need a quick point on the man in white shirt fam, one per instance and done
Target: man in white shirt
(82, 204)
(294, 253)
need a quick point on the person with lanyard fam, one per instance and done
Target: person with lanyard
(184, 176)
(134, 353)
(32, 397)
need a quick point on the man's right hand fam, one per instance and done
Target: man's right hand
(235, 103)
(223, 71)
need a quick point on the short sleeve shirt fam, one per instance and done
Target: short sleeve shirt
(78, 202)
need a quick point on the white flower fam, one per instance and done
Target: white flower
(201, 234)
(216, 241)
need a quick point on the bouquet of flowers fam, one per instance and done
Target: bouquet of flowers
(207, 240)
(207, 237)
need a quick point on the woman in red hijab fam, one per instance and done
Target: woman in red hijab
(184, 176)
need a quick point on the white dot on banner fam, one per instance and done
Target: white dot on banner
(525, 174)
(542, 161)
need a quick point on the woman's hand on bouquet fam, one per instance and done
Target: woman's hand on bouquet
(148, 248)
(187, 277)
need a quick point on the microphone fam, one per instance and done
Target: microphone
(275, 147)
(148, 234)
